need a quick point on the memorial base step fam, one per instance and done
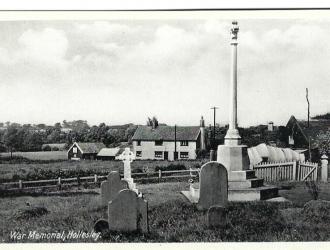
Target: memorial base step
(240, 194)
(252, 194)
(249, 183)
(241, 175)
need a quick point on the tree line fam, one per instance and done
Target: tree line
(27, 137)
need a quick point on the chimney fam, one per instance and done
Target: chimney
(270, 126)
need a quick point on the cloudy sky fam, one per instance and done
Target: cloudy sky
(124, 71)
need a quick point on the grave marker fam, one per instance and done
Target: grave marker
(128, 212)
(213, 186)
(111, 187)
(216, 216)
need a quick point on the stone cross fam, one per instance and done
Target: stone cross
(127, 157)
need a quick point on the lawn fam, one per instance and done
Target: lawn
(39, 156)
(171, 217)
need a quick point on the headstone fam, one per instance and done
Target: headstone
(111, 187)
(213, 186)
(101, 226)
(127, 157)
(216, 216)
(128, 212)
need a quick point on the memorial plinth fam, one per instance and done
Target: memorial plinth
(243, 185)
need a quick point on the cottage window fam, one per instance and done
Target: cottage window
(184, 143)
(184, 155)
(158, 154)
(139, 143)
(138, 153)
(74, 149)
(158, 143)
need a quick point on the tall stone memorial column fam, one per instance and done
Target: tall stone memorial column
(232, 154)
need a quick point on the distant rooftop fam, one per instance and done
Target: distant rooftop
(166, 133)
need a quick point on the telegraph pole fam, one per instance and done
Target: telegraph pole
(214, 112)
(307, 107)
(175, 153)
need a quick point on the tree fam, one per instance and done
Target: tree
(129, 132)
(152, 122)
(11, 139)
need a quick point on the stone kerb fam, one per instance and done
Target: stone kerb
(127, 212)
(111, 187)
(213, 186)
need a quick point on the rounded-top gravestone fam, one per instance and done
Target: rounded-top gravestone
(213, 186)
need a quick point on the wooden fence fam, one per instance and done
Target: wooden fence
(286, 171)
(157, 176)
(280, 171)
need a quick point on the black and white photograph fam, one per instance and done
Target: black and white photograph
(164, 126)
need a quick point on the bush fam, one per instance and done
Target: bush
(202, 154)
(137, 170)
(46, 148)
(171, 167)
(317, 211)
(55, 149)
(31, 212)
(313, 189)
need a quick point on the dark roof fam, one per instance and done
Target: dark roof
(166, 133)
(90, 147)
(318, 129)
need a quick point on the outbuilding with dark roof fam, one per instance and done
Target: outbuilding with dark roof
(84, 150)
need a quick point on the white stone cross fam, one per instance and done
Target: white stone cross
(127, 157)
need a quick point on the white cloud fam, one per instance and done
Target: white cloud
(46, 46)
(102, 30)
(178, 71)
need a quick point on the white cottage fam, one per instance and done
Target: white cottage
(168, 142)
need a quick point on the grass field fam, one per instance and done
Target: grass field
(34, 171)
(171, 217)
(39, 156)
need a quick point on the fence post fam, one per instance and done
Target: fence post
(59, 183)
(95, 178)
(20, 184)
(78, 181)
(324, 168)
(213, 156)
(294, 170)
(159, 175)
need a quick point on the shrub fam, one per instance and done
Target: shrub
(202, 154)
(313, 189)
(171, 167)
(137, 170)
(46, 148)
(31, 212)
(316, 211)
(55, 149)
